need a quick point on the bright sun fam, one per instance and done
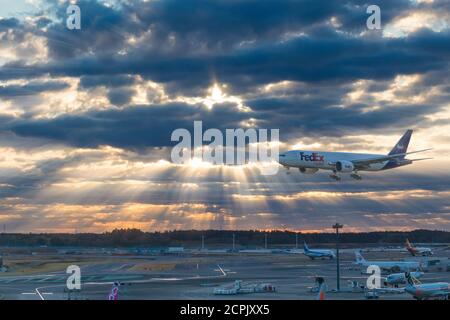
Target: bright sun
(216, 95)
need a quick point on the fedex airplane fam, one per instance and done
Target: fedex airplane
(317, 253)
(415, 251)
(310, 162)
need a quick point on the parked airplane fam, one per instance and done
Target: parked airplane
(310, 162)
(318, 253)
(419, 291)
(390, 266)
(415, 251)
(395, 279)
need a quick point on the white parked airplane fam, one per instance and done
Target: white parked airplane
(310, 162)
(317, 253)
(418, 251)
(419, 291)
(395, 279)
(390, 266)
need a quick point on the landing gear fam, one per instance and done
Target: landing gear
(287, 170)
(335, 176)
(355, 175)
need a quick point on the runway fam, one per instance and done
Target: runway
(191, 276)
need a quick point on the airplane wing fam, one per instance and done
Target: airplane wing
(389, 290)
(365, 162)
(420, 159)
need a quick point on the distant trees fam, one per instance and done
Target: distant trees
(192, 238)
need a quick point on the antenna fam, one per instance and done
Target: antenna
(337, 226)
(234, 242)
(265, 241)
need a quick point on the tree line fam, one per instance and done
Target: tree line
(193, 238)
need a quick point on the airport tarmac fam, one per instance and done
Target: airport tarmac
(189, 275)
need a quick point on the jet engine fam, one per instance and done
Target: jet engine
(344, 166)
(308, 170)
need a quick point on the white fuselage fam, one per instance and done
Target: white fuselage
(400, 278)
(418, 251)
(392, 265)
(429, 290)
(325, 160)
(319, 253)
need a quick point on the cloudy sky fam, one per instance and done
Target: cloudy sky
(86, 115)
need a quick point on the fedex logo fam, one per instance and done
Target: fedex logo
(312, 157)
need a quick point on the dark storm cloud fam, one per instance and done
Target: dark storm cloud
(333, 57)
(104, 29)
(231, 22)
(328, 61)
(318, 117)
(355, 16)
(87, 82)
(140, 127)
(243, 45)
(31, 88)
(121, 96)
(13, 34)
(43, 22)
(132, 127)
(8, 23)
(179, 26)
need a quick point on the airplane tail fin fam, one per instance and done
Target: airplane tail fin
(114, 294)
(411, 279)
(410, 248)
(359, 257)
(321, 283)
(305, 246)
(402, 144)
(408, 244)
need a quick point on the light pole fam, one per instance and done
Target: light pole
(265, 241)
(337, 226)
(234, 242)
